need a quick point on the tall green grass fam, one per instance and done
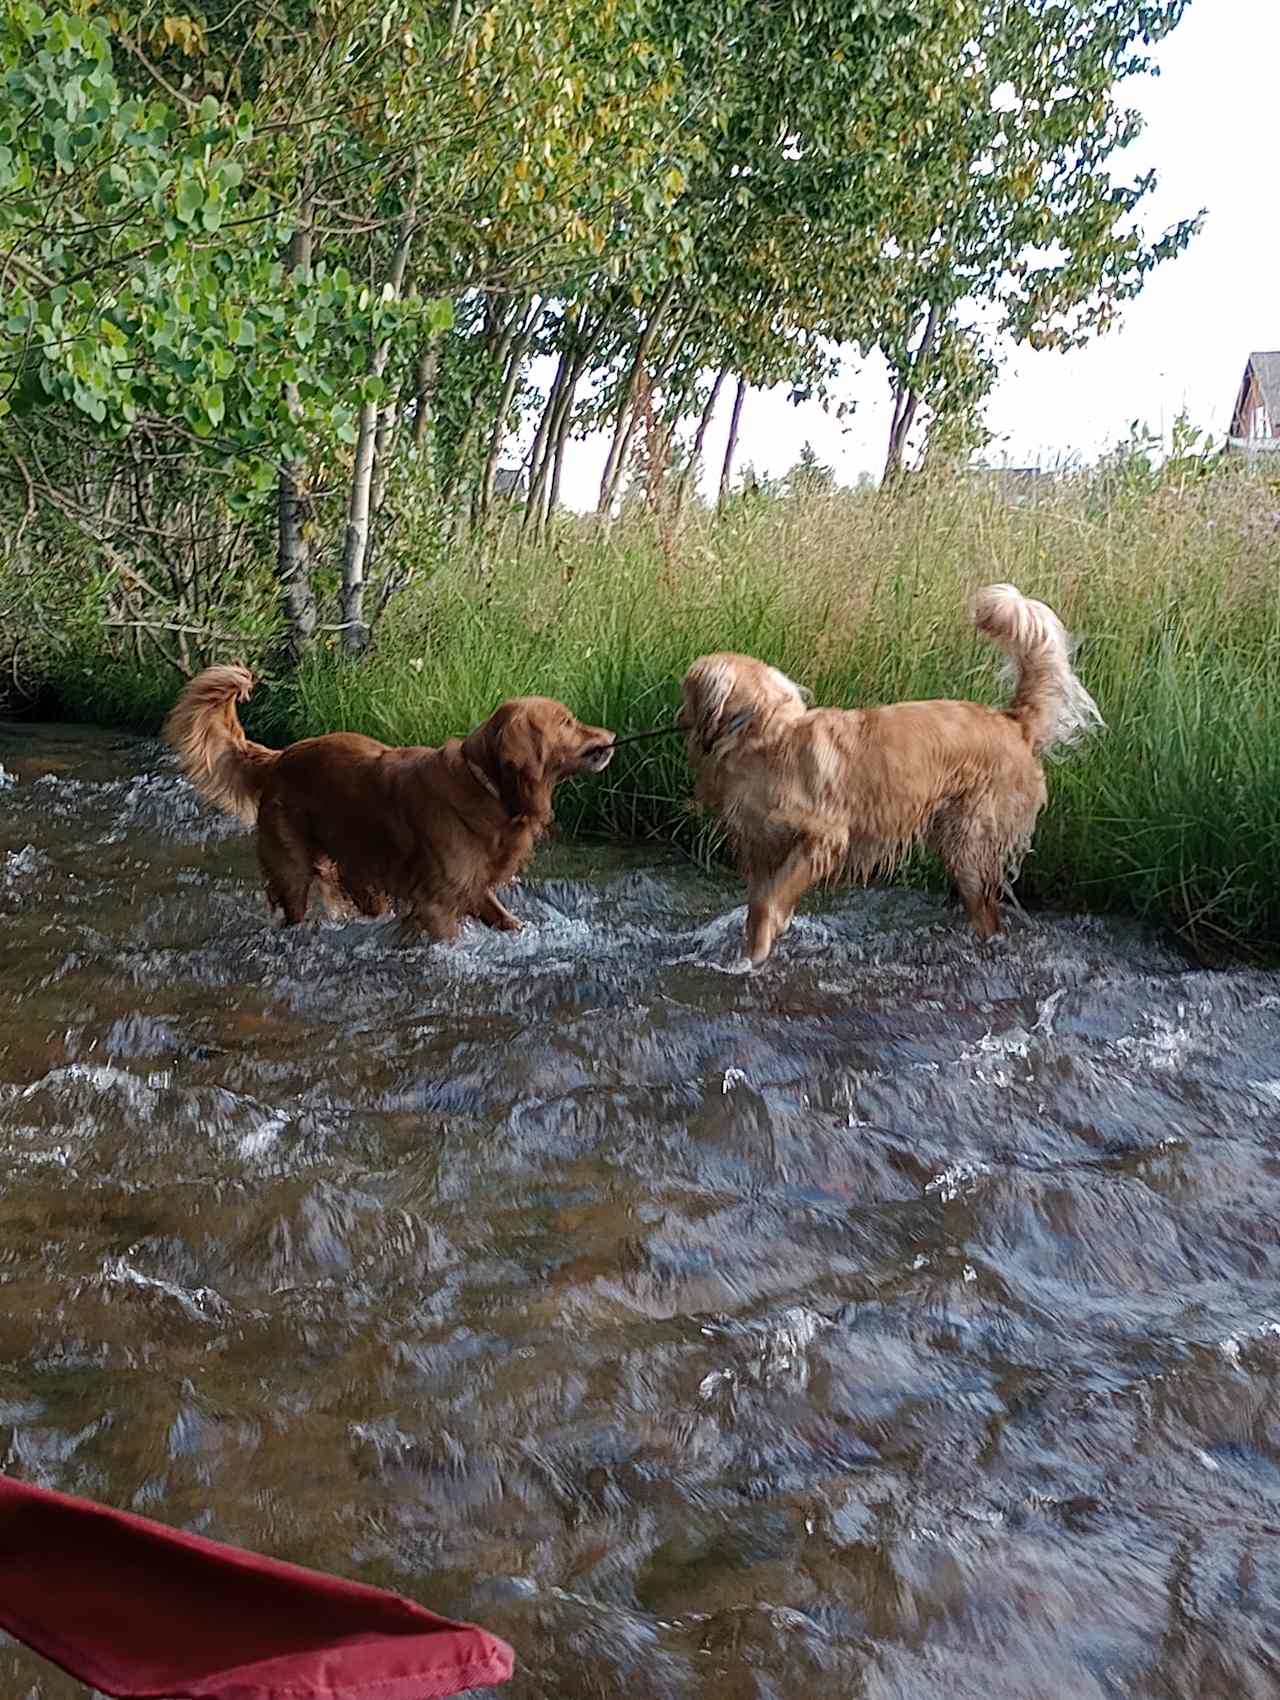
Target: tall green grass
(1173, 589)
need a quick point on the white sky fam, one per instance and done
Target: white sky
(1213, 138)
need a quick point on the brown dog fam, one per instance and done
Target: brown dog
(428, 832)
(812, 795)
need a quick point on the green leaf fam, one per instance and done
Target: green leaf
(438, 316)
(189, 200)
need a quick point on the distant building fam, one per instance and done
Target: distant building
(509, 484)
(1255, 424)
(1016, 484)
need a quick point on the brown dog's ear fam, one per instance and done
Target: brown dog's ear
(708, 686)
(510, 749)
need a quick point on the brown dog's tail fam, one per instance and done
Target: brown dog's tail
(1049, 702)
(205, 733)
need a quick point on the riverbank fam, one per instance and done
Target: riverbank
(1171, 586)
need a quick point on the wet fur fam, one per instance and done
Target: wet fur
(809, 796)
(429, 833)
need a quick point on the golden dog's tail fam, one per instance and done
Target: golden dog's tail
(205, 733)
(1049, 702)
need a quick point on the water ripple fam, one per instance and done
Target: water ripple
(902, 1321)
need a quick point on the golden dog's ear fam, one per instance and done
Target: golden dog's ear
(789, 685)
(511, 750)
(708, 686)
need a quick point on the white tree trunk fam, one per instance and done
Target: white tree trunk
(624, 425)
(726, 466)
(689, 478)
(293, 551)
(906, 399)
(355, 550)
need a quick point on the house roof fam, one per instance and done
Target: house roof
(1265, 369)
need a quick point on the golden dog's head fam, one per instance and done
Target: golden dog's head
(725, 696)
(528, 745)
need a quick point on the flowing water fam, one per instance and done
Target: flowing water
(901, 1321)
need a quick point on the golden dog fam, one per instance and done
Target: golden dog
(812, 795)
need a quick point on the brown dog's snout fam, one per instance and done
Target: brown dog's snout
(599, 751)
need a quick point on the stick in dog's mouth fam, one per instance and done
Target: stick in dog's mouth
(657, 732)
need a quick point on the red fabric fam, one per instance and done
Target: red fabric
(145, 1612)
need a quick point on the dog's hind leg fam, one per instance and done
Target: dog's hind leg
(366, 900)
(439, 921)
(772, 899)
(338, 903)
(981, 903)
(287, 867)
(495, 914)
(975, 858)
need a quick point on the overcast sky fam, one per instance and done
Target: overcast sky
(1213, 137)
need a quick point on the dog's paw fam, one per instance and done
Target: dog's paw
(740, 965)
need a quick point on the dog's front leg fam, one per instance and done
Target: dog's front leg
(495, 914)
(438, 922)
(772, 901)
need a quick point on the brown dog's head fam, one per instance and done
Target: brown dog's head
(528, 745)
(725, 695)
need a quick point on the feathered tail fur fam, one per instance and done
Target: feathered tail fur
(1049, 702)
(205, 733)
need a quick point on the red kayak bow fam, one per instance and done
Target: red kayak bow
(145, 1612)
